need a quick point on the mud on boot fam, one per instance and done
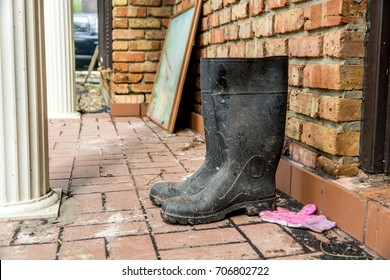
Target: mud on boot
(250, 99)
(193, 184)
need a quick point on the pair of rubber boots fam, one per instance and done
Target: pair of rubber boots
(244, 110)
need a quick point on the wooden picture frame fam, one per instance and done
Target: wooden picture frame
(173, 65)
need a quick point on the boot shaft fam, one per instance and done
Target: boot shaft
(249, 75)
(209, 123)
(250, 102)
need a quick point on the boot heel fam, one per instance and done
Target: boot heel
(256, 207)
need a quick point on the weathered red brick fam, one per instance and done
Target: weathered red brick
(136, 12)
(138, 23)
(155, 34)
(225, 16)
(124, 34)
(118, 56)
(159, 12)
(289, 21)
(295, 75)
(231, 32)
(120, 88)
(120, 23)
(222, 51)
(228, 2)
(120, 67)
(145, 2)
(152, 56)
(127, 78)
(245, 31)
(120, 45)
(213, 20)
(274, 4)
(354, 11)
(204, 39)
(129, 12)
(293, 128)
(119, 3)
(340, 109)
(205, 25)
(216, 5)
(240, 11)
(306, 46)
(344, 44)
(144, 45)
(276, 47)
(237, 50)
(263, 26)
(119, 11)
(303, 155)
(217, 36)
(323, 14)
(330, 140)
(149, 78)
(211, 51)
(256, 7)
(147, 67)
(304, 103)
(141, 87)
(207, 8)
(254, 49)
(337, 167)
(333, 76)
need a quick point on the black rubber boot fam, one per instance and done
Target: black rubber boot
(163, 190)
(250, 99)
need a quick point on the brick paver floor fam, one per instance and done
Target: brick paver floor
(106, 168)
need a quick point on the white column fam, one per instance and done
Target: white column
(60, 59)
(24, 175)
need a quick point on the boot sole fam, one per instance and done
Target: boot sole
(251, 209)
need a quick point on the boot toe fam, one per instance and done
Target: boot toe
(163, 190)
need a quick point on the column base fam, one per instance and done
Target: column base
(75, 115)
(45, 207)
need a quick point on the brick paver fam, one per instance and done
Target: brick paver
(106, 169)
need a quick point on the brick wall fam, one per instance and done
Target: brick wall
(139, 28)
(325, 43)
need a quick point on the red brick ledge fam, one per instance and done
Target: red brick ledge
(128, 110)
(360, 209)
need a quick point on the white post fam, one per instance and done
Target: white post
(24, 174)
(60, 59)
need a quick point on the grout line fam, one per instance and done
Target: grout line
(293, 255)
(365, 222)
(90, 238)
(305, 248)
(258, 252)
(194, 229)
(58, 244)
(103, 195)
(290, 179)
(148, 225)
(69, 191)
(169, 149)
(16, 233)
(107, 248)
(204, 245)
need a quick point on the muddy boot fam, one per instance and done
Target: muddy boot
(163, 190)
(250, 99)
